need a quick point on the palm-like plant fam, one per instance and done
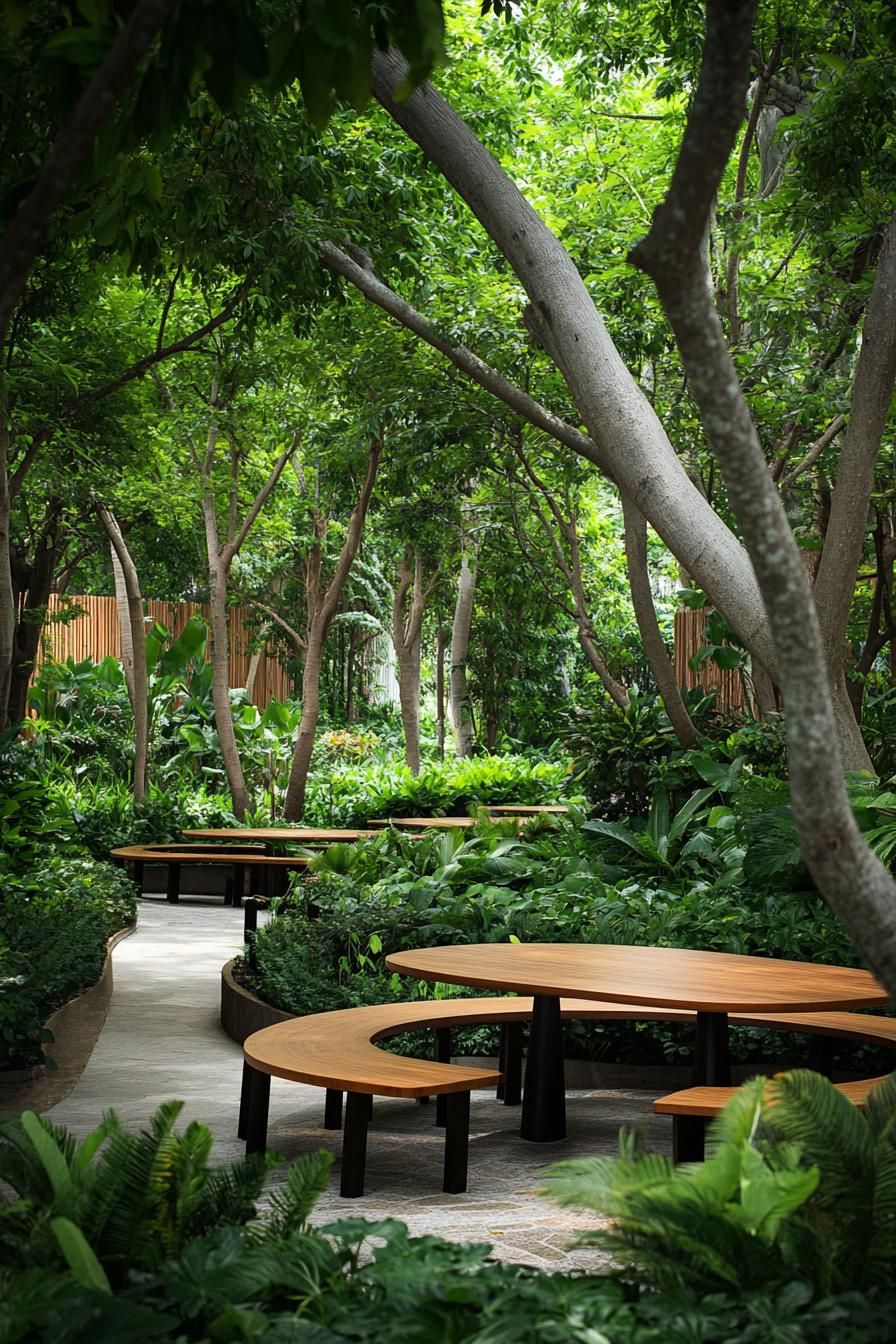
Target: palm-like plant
(797, 1184)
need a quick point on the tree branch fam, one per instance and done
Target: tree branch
(857, 886)
(813, 454)
(25, 235)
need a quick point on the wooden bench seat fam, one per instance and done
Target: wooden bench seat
(693, 1107)
(239, 858)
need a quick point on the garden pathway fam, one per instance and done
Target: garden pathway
(163, 1038)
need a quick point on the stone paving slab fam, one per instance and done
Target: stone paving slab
(163, 1039)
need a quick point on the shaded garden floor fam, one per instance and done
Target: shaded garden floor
(163, 1039)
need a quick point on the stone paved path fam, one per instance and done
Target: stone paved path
(163, 1039)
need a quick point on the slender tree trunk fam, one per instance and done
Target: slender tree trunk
(766, 700)
(406, 630)
(220, 660)
(645, 614)
(441, 646)
(324, 611)
(252, 674)
(133, 644)
(7, 598)
(31, 601)
(458, 690)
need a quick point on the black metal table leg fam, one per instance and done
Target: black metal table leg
(821, 1055)
(239, 884)
(544, 1097)
(510, 1064)
(257, 1117)
(712, 1061)
(173, 891)
(457, 1142)
(354, 1145)
(333, 1109)
(138, 875)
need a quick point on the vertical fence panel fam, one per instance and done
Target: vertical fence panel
(95, 634)
(690, 636)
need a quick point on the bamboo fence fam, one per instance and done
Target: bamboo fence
(95, 634)
(690, 626)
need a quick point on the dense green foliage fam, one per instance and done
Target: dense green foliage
(136, 1237)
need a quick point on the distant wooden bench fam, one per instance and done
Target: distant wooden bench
(239, 858)
(693, 1107)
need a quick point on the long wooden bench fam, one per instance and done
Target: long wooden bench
(693, 1107)
(239, 858)
(337, 1051)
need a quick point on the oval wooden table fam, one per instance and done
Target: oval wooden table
(286, 835)
(712, 983)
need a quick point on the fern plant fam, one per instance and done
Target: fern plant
(798, 1184)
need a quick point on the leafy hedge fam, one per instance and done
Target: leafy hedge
(55, 920)
(784, 1236)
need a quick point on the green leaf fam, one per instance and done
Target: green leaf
(50, 1154)
(79, 1257)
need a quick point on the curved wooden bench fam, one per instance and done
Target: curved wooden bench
(693, 1107)
(237, 857)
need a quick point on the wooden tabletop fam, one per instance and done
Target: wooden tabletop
(667, 977)
(425, 823)
(286, 834)
(525, 809)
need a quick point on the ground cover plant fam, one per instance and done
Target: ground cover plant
(138, 1236)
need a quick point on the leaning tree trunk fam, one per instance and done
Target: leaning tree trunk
(645, 614)
(220, 661)
(133, 644)
(458, 690)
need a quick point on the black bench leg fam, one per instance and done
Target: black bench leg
(510, 1064)
(243, 1122)
(712, 1060)
(333, 1109)
(138, 875)
(821, 1055)
(443, 1056)
(257, 1111)
(354, 1145)
(457, 1142)
(688, 1138)
(173, 892)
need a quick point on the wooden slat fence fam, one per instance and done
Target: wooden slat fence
(96, 635)
(690, 627)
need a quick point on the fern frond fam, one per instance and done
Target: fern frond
(292, 1203)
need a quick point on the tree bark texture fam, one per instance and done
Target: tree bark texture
(442, 642)
(32, 583)
(632, 445)
(858, 887)
(645, 614)
(407, 624)
(321, 612)
(461, 709)
(133, 644)
(872, 394)
(218, 567)
(7, 599)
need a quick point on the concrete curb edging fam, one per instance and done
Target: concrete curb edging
(243, 1012)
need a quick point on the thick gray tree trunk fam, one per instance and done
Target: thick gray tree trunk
(460, 708)
(855, 883)
(133, 644)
